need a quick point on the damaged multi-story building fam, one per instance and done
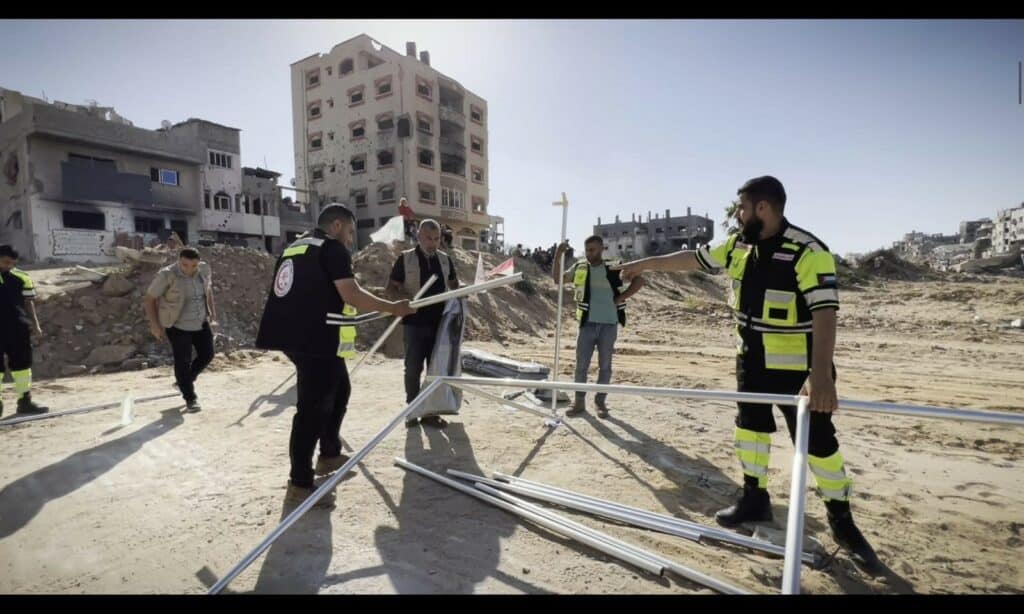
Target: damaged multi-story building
(372, 125)
(918, 246)
(977, 242)
(81, 179)
(636, 238)
(1008, 230)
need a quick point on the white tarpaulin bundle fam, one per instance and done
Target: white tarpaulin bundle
(445, 360)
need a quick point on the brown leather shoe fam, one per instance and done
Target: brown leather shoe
(295, 495)
(326, 465)
(578, 407)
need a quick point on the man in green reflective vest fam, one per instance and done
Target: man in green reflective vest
(784, 299)
(16, 293)
(600, 310)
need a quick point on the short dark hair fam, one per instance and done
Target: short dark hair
(765, 188)
(594, 239)
(10, 252)
(188, 252)
(332, 213)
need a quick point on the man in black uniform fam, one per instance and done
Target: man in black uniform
(16, 290)
(313, 277)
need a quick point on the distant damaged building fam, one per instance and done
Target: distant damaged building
(636, 238)
(80, 180)
(1008, 230)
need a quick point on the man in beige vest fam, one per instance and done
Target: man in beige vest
(179, 305)
(411, 270)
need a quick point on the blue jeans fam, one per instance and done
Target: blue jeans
(602, 337)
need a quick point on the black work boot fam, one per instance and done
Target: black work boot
(849, 537)
(753, 506)
(26, 406)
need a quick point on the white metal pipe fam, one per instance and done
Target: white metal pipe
(607, 511)
(681, 570)
(323, 489)
(797, 498)
(920, 411)
(706, 531)
(82, 410)
(707, 395)
(337, 319)
(571, 524)
(391, 328)
(644, 563)
(942, 413)
(700, 578)
(583, 506)
(504, 401)
(468, 290)
(564, 204)
(537, 486)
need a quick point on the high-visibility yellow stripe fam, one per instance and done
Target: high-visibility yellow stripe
(22, 381)
(295, 250)
(830, 475)
(754, 451)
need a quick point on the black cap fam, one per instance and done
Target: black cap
(764, 188)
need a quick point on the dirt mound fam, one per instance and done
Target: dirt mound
(885, 264)
(101, 326)
(527, 308)
(695, 285)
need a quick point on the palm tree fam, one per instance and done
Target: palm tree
(729, 224)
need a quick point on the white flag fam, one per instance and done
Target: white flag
(393, 230)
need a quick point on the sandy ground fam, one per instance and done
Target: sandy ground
(171, 502)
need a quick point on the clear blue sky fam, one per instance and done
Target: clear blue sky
(876, 128)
